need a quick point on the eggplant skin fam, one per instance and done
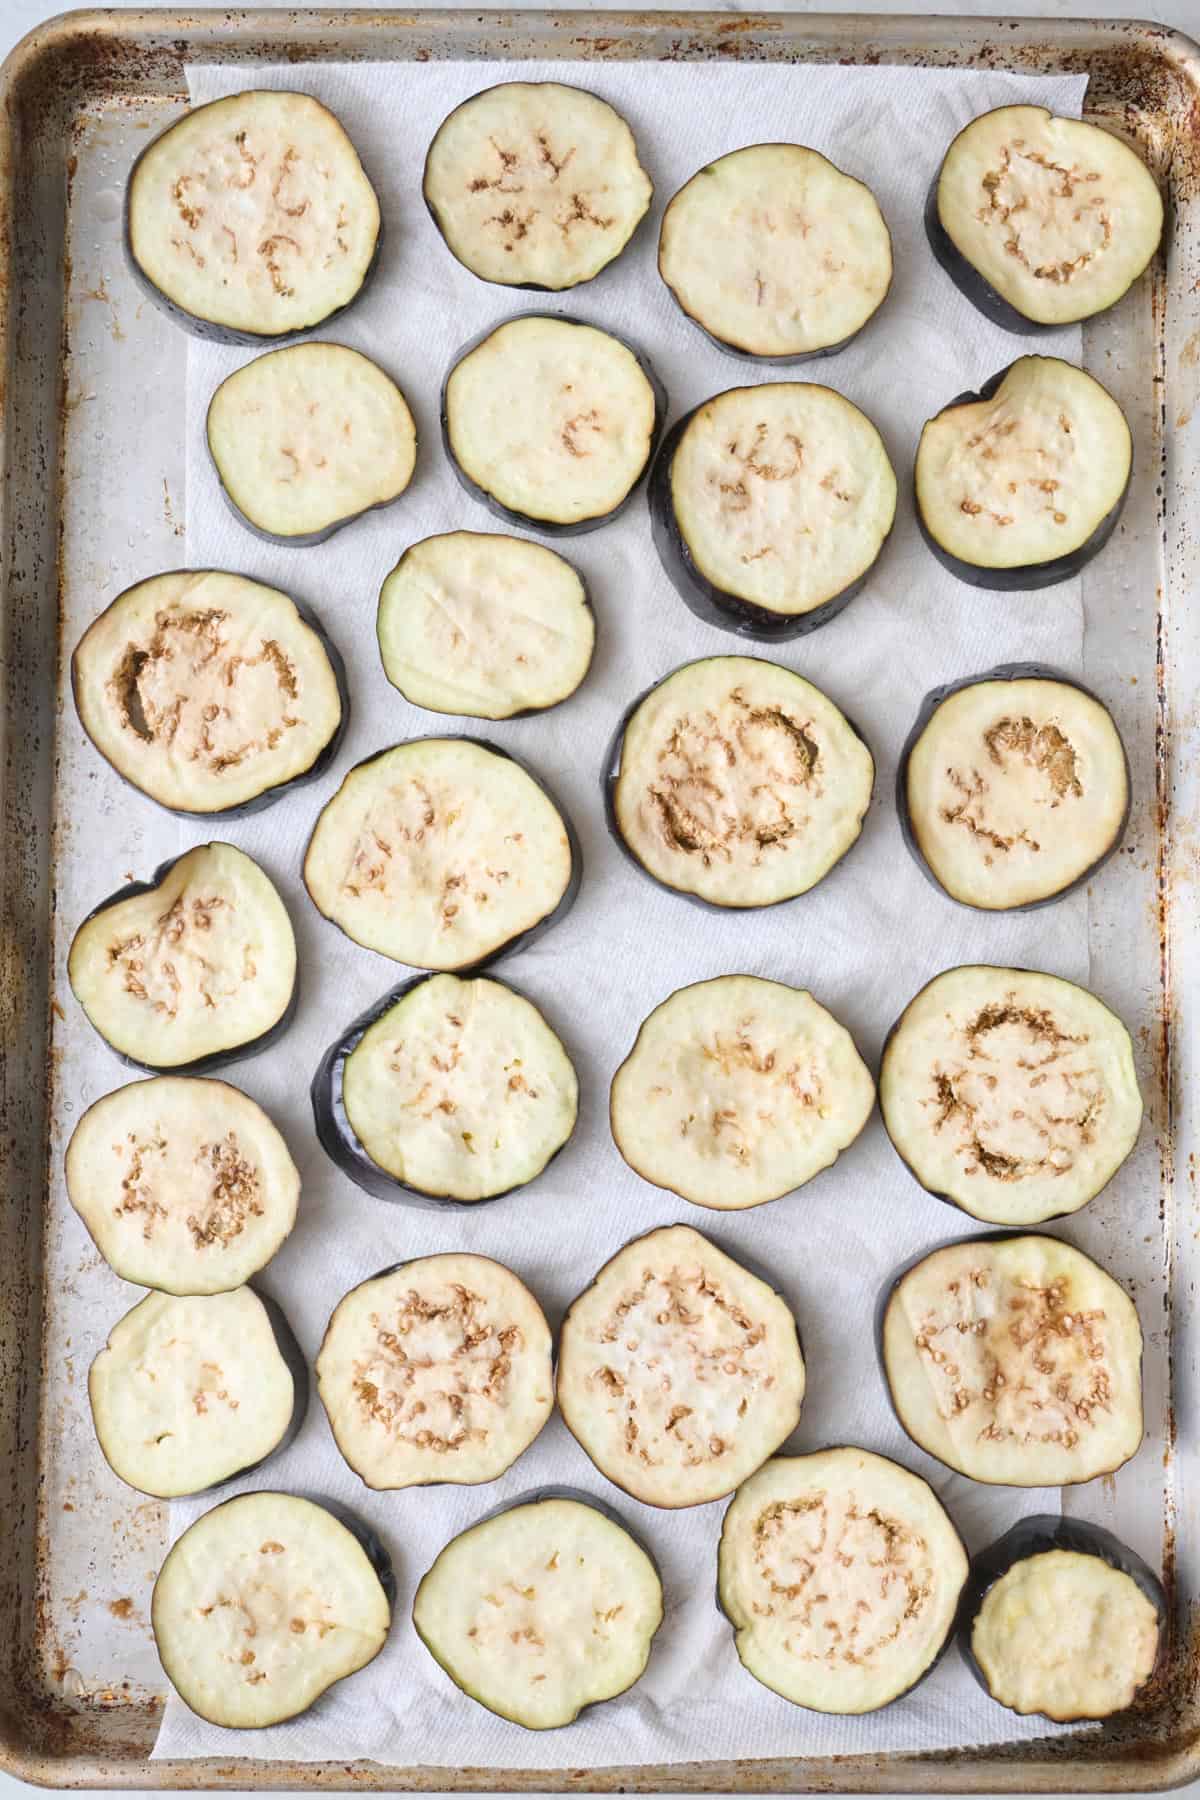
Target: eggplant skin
(366, 1536)
(969, 281)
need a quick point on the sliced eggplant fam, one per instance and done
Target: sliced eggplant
(1042, 221)
(443, 853)
(192, 969)
(544, 1608)
(769, 507)
(264, 1603)
(738, 1090)
(840, 1573)
(252, 218)
(679, 1371)
(551, 422)
(210, 692)
(535, 184)
(775, 253)
(736, 782)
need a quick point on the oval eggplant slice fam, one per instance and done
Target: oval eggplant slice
(535, 184)
(678, 1371)
(1042, 221)
(540, 1610)
(802, 1546)
(252, 218)
(1061, 1618)
(737, 782)
(1015, 1360)
(264, 1603)
(304, 440)
(1020, 485)
(443, 853)
(192, 969)
(436, 1370)
(775, 253)
(551, 422)
(1010, 1093)
(210, 692)
(737, 1091)
(486, 626)
(1013, 788)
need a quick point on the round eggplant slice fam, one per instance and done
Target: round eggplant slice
(436, 1370)
(1061, 1618)
(737, 782)
(441, 852)
(679, 1371)
(775, 253)
(802, 1547)
(185, 1186)
(1022, 484)
(544, 1608)
(1013, 788)
(210, 692)
(551, 422)
(252, 218)
(1042, 221)
(1010, 1093)
(264, 1603)
(192, 969)
(738, 1090)
(769, 507)
(535, 184)
(1015, 1360)
(306, 439)
(485, 626)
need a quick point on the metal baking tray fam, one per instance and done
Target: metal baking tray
(91, 404)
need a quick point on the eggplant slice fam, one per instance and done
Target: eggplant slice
(436, 1370)
(679, 1371)
(841, 1574)
(551, 422)
(264, 1603)
(775, 253)
(1015, 1360)
(1042, 221)
(252, 218)
(306, 439)
(210, 692)
(1010, 1093)
(535, 184)
(738, 1090)
(441, 852)
(737, 782)
(1020, 485)
(483, 625)
(540, 1610)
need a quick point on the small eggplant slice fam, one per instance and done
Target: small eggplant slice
(264, 1603)
(308, 438)
(192, 969)
(252, 218)
(775, 253)
(436, 1370)
(1010, 1093)
(738, 1090)
(483, 625)
(540, 1610)
(1042, 221)
(802, 1546)
(210, 692)
(535, 184)
(1020, 485)
(679, 1371)
(737, 782)
(443, 853)
(1015, 1360)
